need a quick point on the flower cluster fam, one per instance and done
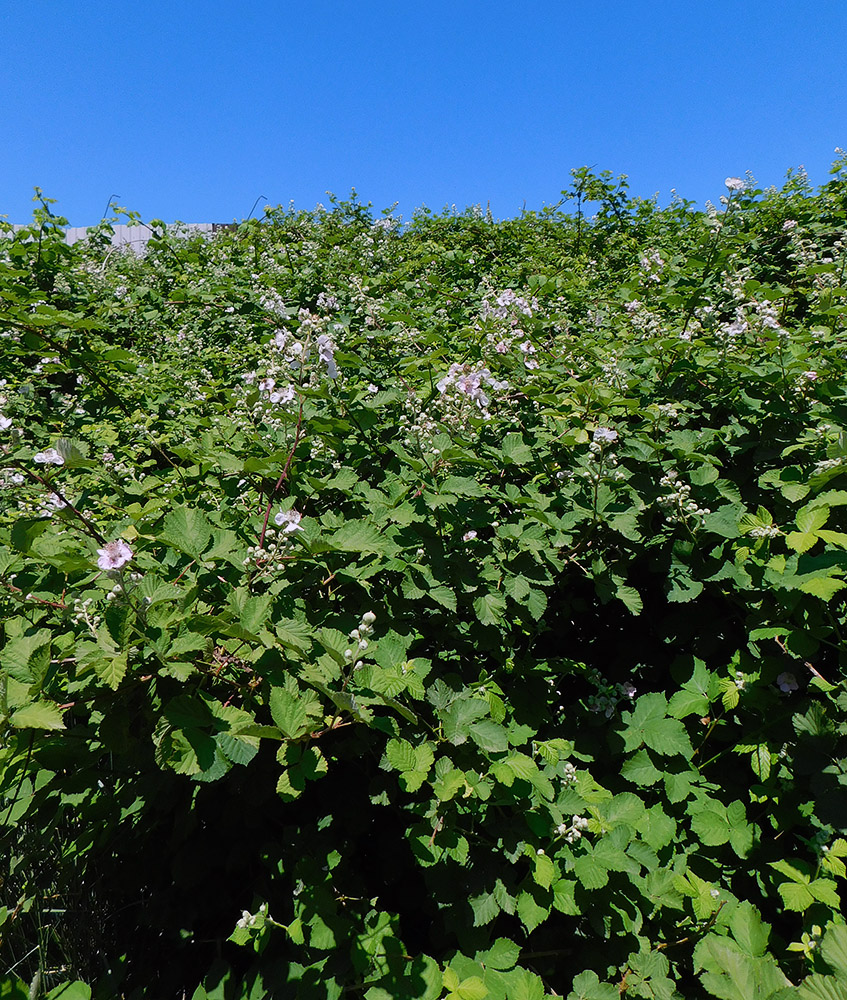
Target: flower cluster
(573, 831)
(765, 531)
(82, 612)
(468, 380)
(271, 555)
(249, 919)
(359, 636)
(652, 265)
(677, 501)
(508, 305)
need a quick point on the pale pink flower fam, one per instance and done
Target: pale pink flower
(48, 457)
(605, 435)
(114, 555)
(291, 520)
(787, 682)
(5, 422)
(469, 536)
(734, 184)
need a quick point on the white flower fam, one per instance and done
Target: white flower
(282, 395)
(373, 388)
(326, 352)
(787, 682)
(5, 422)
(605, 435)
(267, 385)
(48, 457)
(114, 555)
(327, 302)
(469, 536)
(734, 184)
(291, 520)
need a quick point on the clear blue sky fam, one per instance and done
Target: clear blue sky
(191, 110)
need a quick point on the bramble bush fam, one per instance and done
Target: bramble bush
(441, 609)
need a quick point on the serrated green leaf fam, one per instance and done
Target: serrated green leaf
(490, 607)
(503, 955)
(111, 669)
(586, 986)
(824, 587)
(187, 529)
(834, 948)
(515, 450)
(401, 755)
(796, 896)
(38, 715)
(640, 770)
(288, 712)
(530, 911)
(590, 873)
(525, 985)
(544, 872)
(648, 724)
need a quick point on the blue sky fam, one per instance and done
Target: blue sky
(192, 110)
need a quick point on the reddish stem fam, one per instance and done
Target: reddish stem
(283, 474)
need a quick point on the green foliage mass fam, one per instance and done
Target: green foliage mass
(450, 609)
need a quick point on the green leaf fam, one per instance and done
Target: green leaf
(490, 607)
(485, 908)
(111, 669)
(530, 911)
(38, 715)
(70, 991)
(503, 955)
(590, 873)
(26, 657)
(816, 987)
(748, 929)
(256, 612)
(288, 712)
(525, 985)
(187, 529)
(640, 770)
(834, 948)
(824, 587)
(515, 450)
(586, 986)
(489, 736)
(796, 896)
(544, 872)
(649, 725)
(360, 536)
(401, 755)
(732, 975)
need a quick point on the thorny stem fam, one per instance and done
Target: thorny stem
(92, 530)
